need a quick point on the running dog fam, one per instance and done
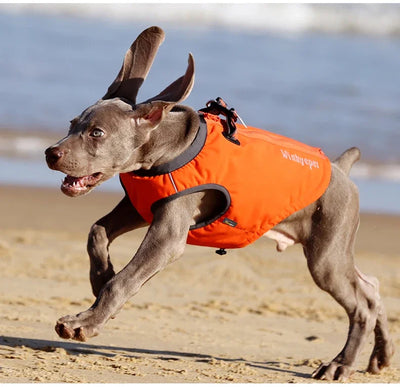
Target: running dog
(160, 140)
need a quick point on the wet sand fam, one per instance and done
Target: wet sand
(253, 315)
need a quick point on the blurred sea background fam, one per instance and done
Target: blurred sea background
(324, 74)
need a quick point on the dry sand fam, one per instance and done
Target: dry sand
(253, 315)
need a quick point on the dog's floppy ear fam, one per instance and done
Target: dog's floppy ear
(149, 115)
(151, 112)
(137, 62)
(180, 89)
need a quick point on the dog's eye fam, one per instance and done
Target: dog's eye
(96, 133)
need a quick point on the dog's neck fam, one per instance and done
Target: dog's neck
(172, 137)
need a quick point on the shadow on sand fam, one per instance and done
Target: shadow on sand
(75, 348)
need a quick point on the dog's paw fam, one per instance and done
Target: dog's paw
(332, 371)
(79, 327)
(380, 357)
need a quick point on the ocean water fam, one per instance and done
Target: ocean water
(326, 75)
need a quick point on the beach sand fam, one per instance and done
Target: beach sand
(253, 315)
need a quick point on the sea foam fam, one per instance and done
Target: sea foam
(368, 19)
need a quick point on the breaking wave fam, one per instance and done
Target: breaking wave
(365, 19)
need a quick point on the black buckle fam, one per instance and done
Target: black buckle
(219, 107)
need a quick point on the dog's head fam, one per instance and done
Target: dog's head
(105, 139)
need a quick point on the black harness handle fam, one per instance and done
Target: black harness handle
(219, 107)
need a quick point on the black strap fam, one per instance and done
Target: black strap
(187, 156)
(219, 107)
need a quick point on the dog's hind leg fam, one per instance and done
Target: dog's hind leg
(121, 219)
(368, 311)
(384, 347)
(329, 251)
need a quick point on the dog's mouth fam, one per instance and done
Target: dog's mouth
(75, 186)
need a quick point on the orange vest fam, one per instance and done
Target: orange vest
(264, 180)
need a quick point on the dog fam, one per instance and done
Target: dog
(118, 136)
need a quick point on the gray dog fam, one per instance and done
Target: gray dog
(117, 136)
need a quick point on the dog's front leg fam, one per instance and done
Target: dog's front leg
(164, 242)
(121, 219)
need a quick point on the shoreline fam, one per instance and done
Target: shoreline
(22, 163)
(78, 214)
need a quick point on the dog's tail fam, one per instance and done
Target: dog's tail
(346, 160)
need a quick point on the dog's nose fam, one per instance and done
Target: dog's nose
(53, 154)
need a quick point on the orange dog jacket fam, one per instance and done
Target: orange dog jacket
(264, 179)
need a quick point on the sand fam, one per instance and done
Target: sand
(253, 315)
